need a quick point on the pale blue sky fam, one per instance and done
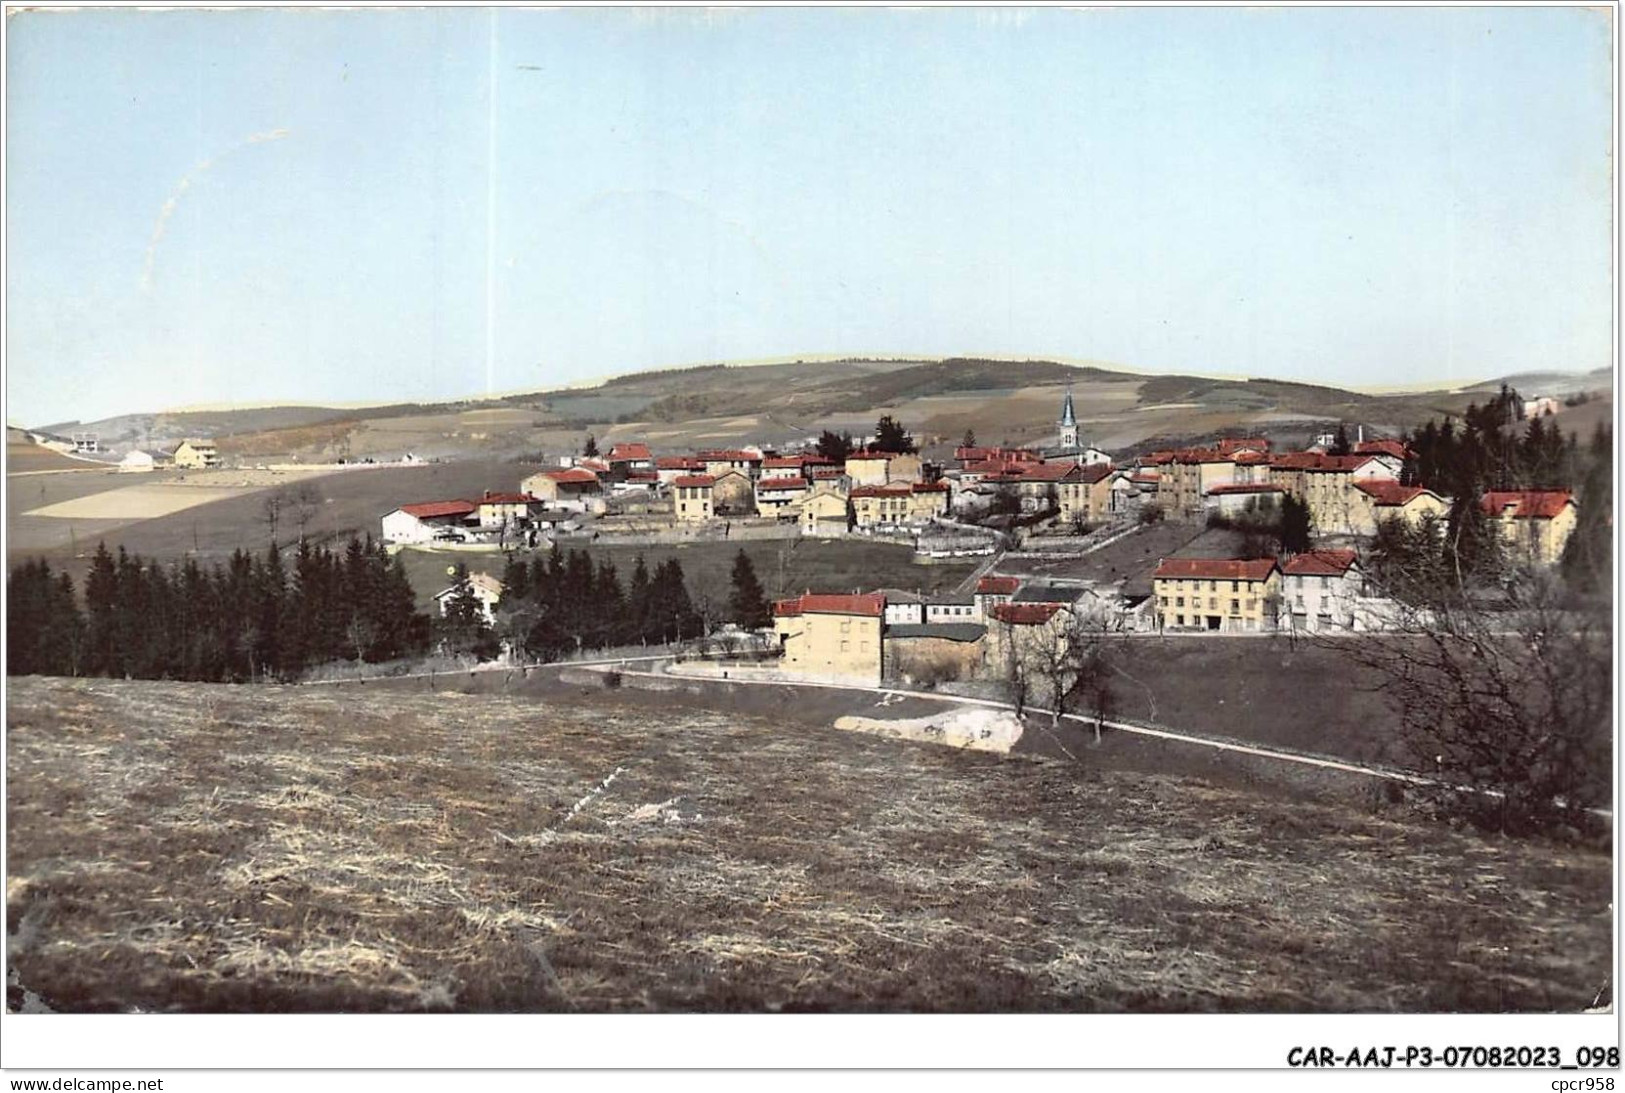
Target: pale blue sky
(1355, 196)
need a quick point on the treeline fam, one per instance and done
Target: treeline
(254, 617)
(1494, 448)
(566, 604)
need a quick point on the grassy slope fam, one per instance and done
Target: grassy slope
(199, 848)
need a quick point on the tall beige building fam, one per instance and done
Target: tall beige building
(832, 637)
(1227, 594)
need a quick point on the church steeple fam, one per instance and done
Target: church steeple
(1069, 423)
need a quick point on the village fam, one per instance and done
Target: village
(999, 507)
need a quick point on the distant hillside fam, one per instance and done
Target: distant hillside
(1002, 401)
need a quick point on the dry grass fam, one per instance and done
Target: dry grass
(188, 847)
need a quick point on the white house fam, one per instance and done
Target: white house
(420, 523)
(136, 462)
(486, 588)
(773, 494)
(1319, 590)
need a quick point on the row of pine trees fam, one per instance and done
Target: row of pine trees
(565, 603)
(1493, 448)
(265, 617)
(254, 617)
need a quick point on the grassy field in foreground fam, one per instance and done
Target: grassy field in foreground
(194, 847)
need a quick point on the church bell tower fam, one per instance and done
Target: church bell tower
(1069, 424)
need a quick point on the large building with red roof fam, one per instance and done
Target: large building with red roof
(573, 489)
(423, 521)
(1535, 524)
(1320, 590)
(1233, 595)
(834, 637)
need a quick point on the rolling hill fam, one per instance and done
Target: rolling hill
(1004, 401)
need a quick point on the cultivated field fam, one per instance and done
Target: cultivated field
(136, 502)
(191, 847)
(347, 502)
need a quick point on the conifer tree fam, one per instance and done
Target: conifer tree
(747, 605)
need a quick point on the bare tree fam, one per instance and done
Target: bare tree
(1501, 694)
(305, 502)
(271, 510)
(1014, 671)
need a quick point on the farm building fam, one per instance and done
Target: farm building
(196, 454)
(420, 523)
(832, 637)
(507, 509)
(573, 488)
(930, 652)
(137, 461)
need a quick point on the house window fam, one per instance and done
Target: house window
(1179, 601)
(1235, 607)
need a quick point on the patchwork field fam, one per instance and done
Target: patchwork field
(188, 847)
(136, 502)
(346, 503)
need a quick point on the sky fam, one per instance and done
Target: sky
(321, 206)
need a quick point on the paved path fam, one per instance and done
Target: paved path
(1282, 755)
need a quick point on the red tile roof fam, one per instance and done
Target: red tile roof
(679, 463)
(783, 462)
(827, 472)
(628, 452)
(1395, 448)
(1145, 478)
(490, 498)
(1246, 487)
(1200, 455)
(730, 455)
(1251, 458)
(1388, 493)
(1526, 504)
(781, 484)
(1217, 569)
(867, 604)
(429, 509)
(1002, 455)
(575, 476)
(1320, 563)
(1234, 444)
(1320, 461)
(1025, 614)
(892, 489)
(996, 585)
(594, 464)
(694, 480)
